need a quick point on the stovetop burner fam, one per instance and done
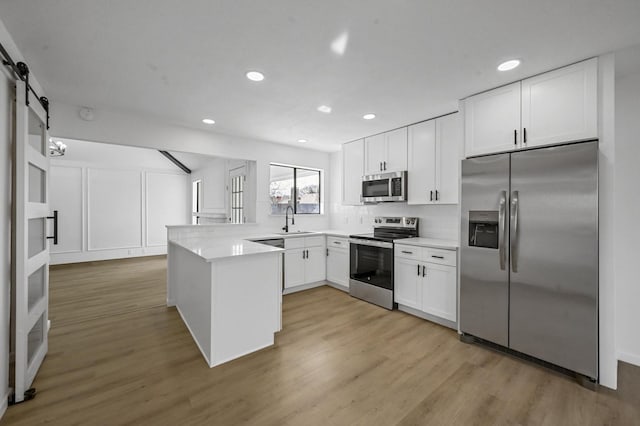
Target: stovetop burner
(391, 228)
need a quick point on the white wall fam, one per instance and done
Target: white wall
(110, 205)
(435, 221)
(128, 129)
(627, 210)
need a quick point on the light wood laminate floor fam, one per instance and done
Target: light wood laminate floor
(118, 355)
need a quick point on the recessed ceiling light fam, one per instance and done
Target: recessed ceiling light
(303, 140)
(208, 121)
(255, 76)
(509, 65)
(369, 116)
(325, 109)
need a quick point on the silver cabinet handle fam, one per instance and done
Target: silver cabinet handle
(430, 195)
(437, 195)
(502, 226)
(337, 242)
(385, 165)
(515, 203)
(418, 270)
(381, 166)
(424, 270)
(437, 257)
(407, 252)
(515, 137)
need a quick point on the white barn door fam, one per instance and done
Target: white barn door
(30, 299)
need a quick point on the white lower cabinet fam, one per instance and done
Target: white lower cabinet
(408, 282)
(338, 261)
(314, 267)
(294, 263)
(425, 279)
(439, 291)
(304, 261)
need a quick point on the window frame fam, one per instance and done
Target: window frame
(294, 199)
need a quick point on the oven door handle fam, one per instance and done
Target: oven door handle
(381, 244)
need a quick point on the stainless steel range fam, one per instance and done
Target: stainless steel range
(371, 259)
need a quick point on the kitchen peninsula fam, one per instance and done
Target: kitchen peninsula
(228, 292)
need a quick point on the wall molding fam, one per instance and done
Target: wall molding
(629, 358)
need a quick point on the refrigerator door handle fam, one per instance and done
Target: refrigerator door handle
(502, 226)
(514, 230)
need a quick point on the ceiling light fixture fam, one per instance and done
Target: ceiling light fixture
(303, 140)
(325, 109)
(369, 116)
(509, 65)
(208, 121)
(255, 76)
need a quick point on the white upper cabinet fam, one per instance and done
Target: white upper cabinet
(492, 121)
(386, 152)
(554, 107)
(374, 152)
(421, 177)
(449, 141)
(561, 105)
(396, 151)
(352, 172)
(435, 150)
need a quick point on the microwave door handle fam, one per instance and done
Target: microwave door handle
(502, 226)
(514, 237)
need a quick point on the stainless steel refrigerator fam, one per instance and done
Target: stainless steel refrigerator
(529, 253)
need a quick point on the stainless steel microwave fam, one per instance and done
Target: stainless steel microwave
(384, 187)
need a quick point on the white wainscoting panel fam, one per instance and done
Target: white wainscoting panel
(114, 209)
(65, 195)
(167, 204)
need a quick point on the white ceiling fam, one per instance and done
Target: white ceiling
(406, 61)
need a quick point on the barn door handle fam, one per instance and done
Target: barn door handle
(55, 227)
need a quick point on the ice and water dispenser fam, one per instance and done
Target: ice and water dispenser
(483, 229)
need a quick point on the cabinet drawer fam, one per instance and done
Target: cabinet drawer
(408, 252)
(441, 257)
(337, 242)
(317, 241)
(293, 243)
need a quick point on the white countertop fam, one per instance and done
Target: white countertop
(429, 242)
(211, 249)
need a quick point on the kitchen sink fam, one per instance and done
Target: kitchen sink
(295, 233)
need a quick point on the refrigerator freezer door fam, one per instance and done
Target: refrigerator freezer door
(484, 275)
(554, 256)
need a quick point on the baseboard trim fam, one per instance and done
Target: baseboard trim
(4, 404)
(629, 358)
(303, 287)
(428, 317)
(338, 286)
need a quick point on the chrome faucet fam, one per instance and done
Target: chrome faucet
(286, 219)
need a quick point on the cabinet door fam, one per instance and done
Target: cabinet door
(439, 291)
(352, 172)
(492, 121)
(315, 265)
(374, 151)
(407, 282)
(561, 105)
(421, 161)
(449, 141)
(338, 267)
(395, 156)
(293, 268)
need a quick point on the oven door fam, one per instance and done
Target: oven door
(371, 262)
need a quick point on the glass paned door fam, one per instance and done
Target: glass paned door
(30, 295)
